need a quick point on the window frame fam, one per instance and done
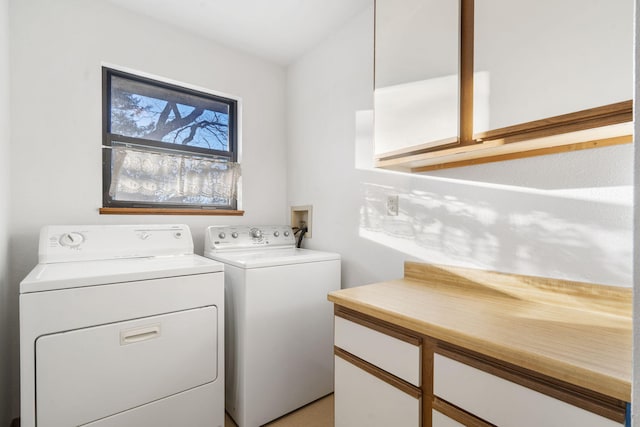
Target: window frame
(110, 140)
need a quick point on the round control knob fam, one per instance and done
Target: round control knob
(256, 233)
(234, 234)
(276, 233)
(71, 240)
(286, 234)
(222, 235)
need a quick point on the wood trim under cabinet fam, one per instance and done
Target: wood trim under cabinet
(418, 149)
(597, 127)
(377, 325)
(611, 114)
(488, 152)
(495, 150)
(163, 211)
(392, 380)
(458, 414)
(591, 401)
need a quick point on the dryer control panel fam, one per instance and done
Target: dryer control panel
(65, 243)
(221, 238)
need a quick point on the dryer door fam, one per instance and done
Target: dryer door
(91, 373)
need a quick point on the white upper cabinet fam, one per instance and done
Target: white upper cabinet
(462, 82)
(544, 58)
(416, 73)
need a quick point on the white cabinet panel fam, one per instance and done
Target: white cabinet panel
(416, 73)
(395, 356)
(544, 58)
(440, 420)
(504, 403)
(362, 400)
(95, 372)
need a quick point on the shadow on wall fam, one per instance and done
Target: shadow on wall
(499, 227)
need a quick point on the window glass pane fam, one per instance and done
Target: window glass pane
(146, 111)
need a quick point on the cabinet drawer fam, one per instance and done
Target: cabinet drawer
(391, 354)
(363, 400)
(503, 402)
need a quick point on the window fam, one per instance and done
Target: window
(166, 146)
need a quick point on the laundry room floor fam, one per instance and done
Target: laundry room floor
(315, 414)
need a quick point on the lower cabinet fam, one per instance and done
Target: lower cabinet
(389, 376)
(377, 375)
(363, 399)
(490, 398)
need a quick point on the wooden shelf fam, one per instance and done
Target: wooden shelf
(501, 148)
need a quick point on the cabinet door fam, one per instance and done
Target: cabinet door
(416, 74)
(440, 420)
(363, 400)
(503, 402)
(544, 58)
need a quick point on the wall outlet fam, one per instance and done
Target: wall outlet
(392, 205)
(302, 216)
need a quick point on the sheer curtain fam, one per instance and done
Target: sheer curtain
(163, 177)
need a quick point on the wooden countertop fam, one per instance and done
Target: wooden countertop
(576, 332)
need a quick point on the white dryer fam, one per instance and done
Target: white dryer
(121, 326)
(279, 324)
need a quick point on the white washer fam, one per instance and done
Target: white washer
(121, 326)
(279, 336)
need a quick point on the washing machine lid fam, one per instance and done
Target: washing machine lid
(271, 257)
(253, 246)
(63, 275)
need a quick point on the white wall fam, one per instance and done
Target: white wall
(56, 53)
(566, 216)
(636, 231)
(4, 211)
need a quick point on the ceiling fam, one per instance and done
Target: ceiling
(277, 30)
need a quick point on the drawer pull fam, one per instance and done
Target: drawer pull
(145, 333)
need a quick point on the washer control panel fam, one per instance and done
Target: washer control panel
(220, 238)
(62, 243)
